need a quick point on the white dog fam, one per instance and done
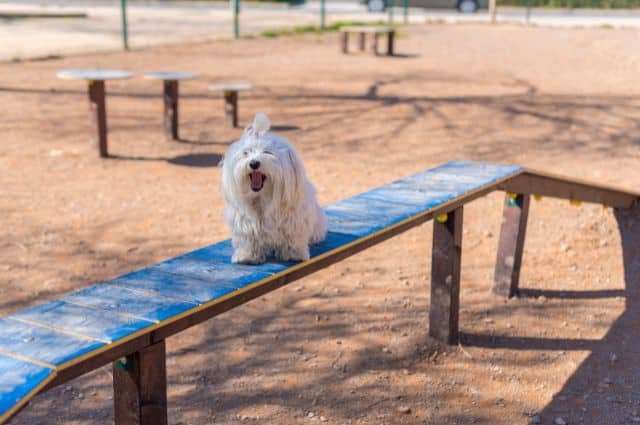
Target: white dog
(271, 206)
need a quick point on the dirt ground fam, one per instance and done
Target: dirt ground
(349, 344)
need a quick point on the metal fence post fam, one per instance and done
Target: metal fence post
(391, 5)
(125, 34)
(492, 10)
(322, 14)
(405, 4)
(236, 20)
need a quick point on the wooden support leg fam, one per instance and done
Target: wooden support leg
(231, 107)
(374, 43)
(171, 110)
(344, 41)
(362, 41)
(390, 38)
(140, 387)
(445, 277)
(511, 244)
(98, 116)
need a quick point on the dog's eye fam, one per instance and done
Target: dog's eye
(268, 153)
(245, 153)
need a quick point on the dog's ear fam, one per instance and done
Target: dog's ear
(261, 124)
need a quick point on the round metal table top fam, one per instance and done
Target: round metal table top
(94, 74)
(170, 75)
(237, 86)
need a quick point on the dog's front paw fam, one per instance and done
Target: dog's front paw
(247, 257)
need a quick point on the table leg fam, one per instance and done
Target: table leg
(171, 110)
(374, 43)
(390, 38)
(344, 39)
(511, 244)
(231, 107)
(445, 277)
(98, 116)
(140, 387)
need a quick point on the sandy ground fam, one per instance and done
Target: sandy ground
(349, 344)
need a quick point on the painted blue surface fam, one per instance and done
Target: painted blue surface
(103, 325)
(332, 241)
(42, 344)
(220, 253)
(360, 216)
(376, 209)
(106, 296)
(17, 379)
(222, 274)
(188, 289)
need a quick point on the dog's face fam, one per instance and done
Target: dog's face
(262, 168)
(257, 166)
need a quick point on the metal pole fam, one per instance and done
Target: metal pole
(125, 35)
(406, 11)
(236, 23)
(391, 5)
(322, 14)
(492, 10)
(528, 11)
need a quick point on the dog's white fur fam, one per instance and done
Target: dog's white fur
(279, 218)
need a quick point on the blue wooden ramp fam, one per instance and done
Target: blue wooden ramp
(42, 343)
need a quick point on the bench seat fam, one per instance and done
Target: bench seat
(38, 343)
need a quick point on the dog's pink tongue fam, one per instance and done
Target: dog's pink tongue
(256, 180)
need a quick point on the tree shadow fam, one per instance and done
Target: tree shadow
(573, 295)
(605, 389)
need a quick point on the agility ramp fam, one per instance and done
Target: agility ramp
(126, 320)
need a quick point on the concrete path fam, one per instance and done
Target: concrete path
(153, 23)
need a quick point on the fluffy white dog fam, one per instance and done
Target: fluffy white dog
(271, 206)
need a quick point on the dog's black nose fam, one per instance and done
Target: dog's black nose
(254, 164)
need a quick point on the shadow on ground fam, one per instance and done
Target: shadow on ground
(189, 160)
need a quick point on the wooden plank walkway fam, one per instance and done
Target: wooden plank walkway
(49, 344)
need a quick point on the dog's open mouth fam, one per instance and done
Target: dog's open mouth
(257, 180)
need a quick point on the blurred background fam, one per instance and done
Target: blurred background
(44, 28)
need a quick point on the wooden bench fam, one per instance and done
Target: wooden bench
(126, 320)
(362, 31)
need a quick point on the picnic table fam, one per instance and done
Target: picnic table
(97, 109)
